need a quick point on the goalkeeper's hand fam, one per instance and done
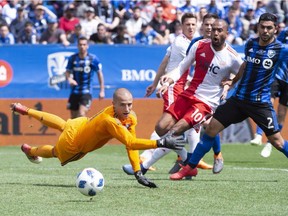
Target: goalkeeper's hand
(171, 142)
(143, 180)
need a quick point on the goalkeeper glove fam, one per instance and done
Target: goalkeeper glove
(171, 142)
(143, 180)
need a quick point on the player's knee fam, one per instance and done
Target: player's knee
(160, 129)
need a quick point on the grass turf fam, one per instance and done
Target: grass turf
(248, 185)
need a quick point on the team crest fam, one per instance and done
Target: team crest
(56, 66)
(271, 53)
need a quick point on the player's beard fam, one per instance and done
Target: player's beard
(266, 38)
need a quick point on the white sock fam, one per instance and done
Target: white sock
(148, 152)
(193, 139)
(154, 136)
(157, 154)
(182, 153)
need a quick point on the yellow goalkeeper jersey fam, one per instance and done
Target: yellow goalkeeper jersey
(83, 135)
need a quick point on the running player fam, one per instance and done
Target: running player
(79, 73)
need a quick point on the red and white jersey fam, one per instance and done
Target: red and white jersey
(176, 52)
(210, 69)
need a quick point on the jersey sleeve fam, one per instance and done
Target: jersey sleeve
(97, 66)
(69, 66)
(282, 67)
(184, 65)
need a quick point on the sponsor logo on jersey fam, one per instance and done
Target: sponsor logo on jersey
(271, 53)
(267, 63)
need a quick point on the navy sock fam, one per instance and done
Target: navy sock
(285, 148)
(217, 145)
(259, 130)
(201, 149)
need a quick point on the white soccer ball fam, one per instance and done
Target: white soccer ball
(90, 181)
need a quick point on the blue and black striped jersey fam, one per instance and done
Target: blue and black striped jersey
(283, 36)
(83, 71)
(262, 64)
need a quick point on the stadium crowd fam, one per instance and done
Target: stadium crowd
(126, 21)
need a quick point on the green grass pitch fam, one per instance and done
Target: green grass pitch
(248, 185)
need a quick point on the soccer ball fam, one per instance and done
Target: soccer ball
(90, 181)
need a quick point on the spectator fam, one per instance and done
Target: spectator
(102, 36)
(188, 7)
(5, 36)
(106, 12)
(76, 35)
(68, 21)
(147, 10)
(135, 22)
(260, 9)
(54, 35)
(160, 25)
(2, 20)
(177, 21)
(201, 14)
(30, 8)
(178, 31)
(17, 25)
(279, 8)
(169, 11)
(9, 10)
(148, 36)
(90, 22)
(216, 9)
(28, 35)
(248, 21)
(124, 9)
(121, 37)
(81, 7)
(40, 19)
(235, 27)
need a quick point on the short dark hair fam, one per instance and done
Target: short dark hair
(187, 16)
(268, 17)
(82, 38)
(209, 16)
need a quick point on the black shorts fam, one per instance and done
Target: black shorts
(76, 100)
(279, 89)
(235, 111)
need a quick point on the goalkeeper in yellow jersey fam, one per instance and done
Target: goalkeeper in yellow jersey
(82, 135)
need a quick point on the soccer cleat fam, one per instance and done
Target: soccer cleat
(266, 151)
(257, 140)
(177, 166)
(218, 163)
(19, 108)
(34, 159)
(127, 168)
(186, 172)
(203, 165)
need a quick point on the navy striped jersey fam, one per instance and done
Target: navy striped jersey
(83, 71)
(262, 64)
(283, 69)
(283, 36)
